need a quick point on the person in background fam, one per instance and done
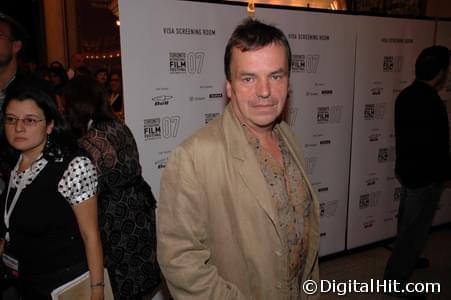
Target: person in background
(13, 39)
(49, 223)
(115, 98)
(58, 78)
(77, 61)
(423, 162)
(101, 76)
(56, 64)
(126, 202)
(238, 217)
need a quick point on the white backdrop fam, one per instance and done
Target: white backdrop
(320, 110)
(346, 72)
(386, 53)
(443, 214)
(174, 83)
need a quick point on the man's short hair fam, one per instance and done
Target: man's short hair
(253, 35)
(431, 61)
(17, 31)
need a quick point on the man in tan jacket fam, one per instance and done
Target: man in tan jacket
(238, 218)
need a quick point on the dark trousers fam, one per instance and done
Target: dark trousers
(416, 211)
(40, 287)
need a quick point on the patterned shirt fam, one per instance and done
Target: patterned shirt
(78, 184)
(293, 201)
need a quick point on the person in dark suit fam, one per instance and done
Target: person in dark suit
(423, 162)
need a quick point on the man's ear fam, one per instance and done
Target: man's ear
(17, 46)
(228, 89)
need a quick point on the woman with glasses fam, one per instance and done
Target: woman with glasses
(49, 207)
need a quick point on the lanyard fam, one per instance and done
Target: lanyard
(8, 211)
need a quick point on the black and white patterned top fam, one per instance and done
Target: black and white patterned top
(78, 184)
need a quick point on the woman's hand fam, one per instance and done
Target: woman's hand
(97, 293)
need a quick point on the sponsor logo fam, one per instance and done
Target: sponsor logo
(152, 129)
(369, 200)
(323, 189)
(374, 137)
(161, 163)
(329, 114)
(368, 224)
(310, 145)
(322, 116)
(371, 181)
(325, 142)
(374, 111)
(392, 63)
(376, 91)
(386, 155)
(310, 164)
(327, 92)
(158, 128)
(182, 63)
(328, 209)
(210, 116)
(177, 62)
(215, 96)
(195, 98)
(301, 63)
(161, 100)
(322, 209)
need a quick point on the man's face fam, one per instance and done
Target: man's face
(78, 60)
(102, 78)
(115, 83)
(7, 46)
(258, 85)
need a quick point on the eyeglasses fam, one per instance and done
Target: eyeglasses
(29, 122)
(5, 37)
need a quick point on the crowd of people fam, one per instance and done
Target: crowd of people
(58, 76)
(72, 195)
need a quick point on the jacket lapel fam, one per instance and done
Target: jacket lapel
(246, 164)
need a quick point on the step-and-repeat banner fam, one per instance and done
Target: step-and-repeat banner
(346, 73)
(443, 37)
(320, 108)
(385, 64)
(174, 84)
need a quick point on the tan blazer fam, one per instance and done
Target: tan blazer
(217, 232)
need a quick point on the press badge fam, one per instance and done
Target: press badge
(12, 264)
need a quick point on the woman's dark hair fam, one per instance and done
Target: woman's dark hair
(85, 100)
(61, 73)
(101, 70)
(61, 144)
(254, 35)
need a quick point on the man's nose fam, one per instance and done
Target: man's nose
(263, 88)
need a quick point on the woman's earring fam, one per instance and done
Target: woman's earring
(47, 144)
